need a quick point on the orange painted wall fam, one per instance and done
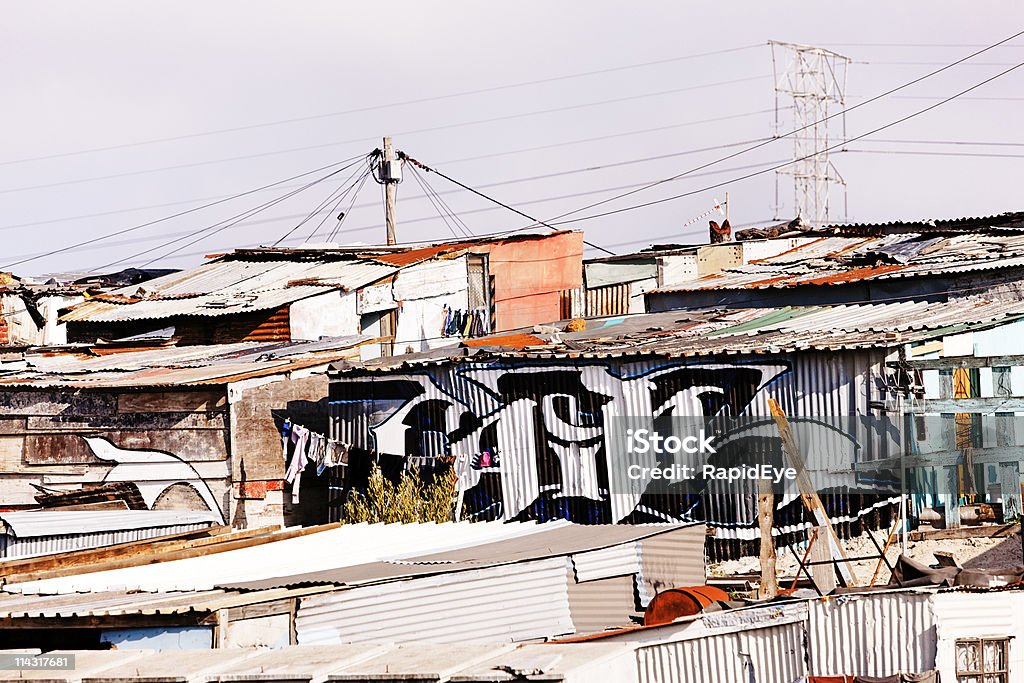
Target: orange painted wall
(530, 275)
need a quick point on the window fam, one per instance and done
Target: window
(982, 660)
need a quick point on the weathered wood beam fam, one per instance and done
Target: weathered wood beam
(983, 531)
(148, 555)
(951, 362)
(965, 405)
(945, 458)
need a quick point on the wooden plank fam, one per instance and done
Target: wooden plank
(18, 402)
(808, 494)
(190, 445)
(259, 610)
(965, 405)
(11, 454)
(824, 575)
(983, 531)
(951, 362)
(82, 474)
(11, 426)
(130, 421)
(994, 455)
(172, 402)
(105, 621)
(149, 558)
(75, 561)
(768, 587)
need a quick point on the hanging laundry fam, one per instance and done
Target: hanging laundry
(337, 453)
(446, 320)
(299, 437)
(286, 433)
(317, 451)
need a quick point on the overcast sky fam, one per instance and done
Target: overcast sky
(78, 76)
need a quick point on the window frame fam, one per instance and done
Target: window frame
(982, 674)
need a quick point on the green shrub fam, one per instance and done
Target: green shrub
(413, 499)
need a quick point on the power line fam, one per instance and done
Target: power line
(341, 220)
(167, 218)
(488, 209)
(836, 146)
(226, 223)
(916, 152)
(320, 207)
(493, 200)
(420, 100)
(432, 129)
(452, 161)
(966, 45)
(454, 227)
(513, 181)
(843, 112)
(986, 143)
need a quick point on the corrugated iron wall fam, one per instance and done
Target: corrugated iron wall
(262, 326)
(873, 635)
(776, 655)
(505, 406)
(608, 300)
(513, 603)
(618, 560)
(259, 326)
(603, 603)
(671, 560)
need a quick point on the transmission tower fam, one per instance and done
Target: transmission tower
(813, 79)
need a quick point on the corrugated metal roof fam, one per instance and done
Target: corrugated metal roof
(1009, 220)
(172, 366)
(267, 279)
(545, 540)
(775, 653)
(112, 603)
(72, 522)
(228, 286)
(711, 332)
(345, 546)
(13, 547)
(618, 560)
(462, 663)
(520, 602)
(844, 258)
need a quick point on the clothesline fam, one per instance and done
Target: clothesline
(309, 446)
(456, 322)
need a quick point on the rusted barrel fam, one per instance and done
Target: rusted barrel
(669, 605)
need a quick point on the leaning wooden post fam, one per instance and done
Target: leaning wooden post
(769, 586)
(807, 493)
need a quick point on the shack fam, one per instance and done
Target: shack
(193, 428)
(529, 415)
(934, 260)
(411, 297)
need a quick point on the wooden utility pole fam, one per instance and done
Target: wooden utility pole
(808, 495)
(387, 176)
(769, 587)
